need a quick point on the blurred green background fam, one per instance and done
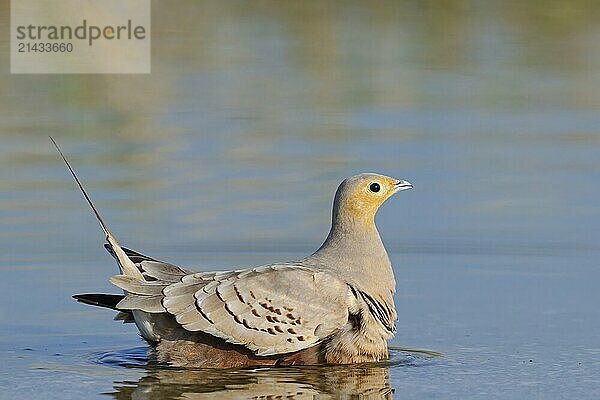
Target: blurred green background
(255, 111)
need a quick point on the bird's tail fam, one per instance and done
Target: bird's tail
(106, 301)
(100, 299)
(126, 266)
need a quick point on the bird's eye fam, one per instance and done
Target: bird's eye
(374, 187)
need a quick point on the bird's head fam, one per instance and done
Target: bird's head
(359, 197)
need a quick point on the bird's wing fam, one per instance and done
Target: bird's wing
(273, 309)
(151, 268)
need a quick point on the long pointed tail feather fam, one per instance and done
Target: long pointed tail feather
(125, 264)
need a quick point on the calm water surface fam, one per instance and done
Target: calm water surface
(228, 154)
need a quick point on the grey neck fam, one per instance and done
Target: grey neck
(355, 251)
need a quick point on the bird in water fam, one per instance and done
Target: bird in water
(334, 306)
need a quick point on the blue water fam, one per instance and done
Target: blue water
(228, 154)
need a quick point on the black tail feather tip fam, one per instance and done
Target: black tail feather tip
(99, 299)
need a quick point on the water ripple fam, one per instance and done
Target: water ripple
(161, 381)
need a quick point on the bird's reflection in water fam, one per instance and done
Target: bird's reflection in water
(272, 383)
(323, 382)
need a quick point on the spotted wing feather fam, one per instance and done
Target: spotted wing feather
(270, 310)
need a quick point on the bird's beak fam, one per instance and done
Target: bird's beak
(402, 185)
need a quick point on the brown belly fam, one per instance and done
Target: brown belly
(209, 352)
